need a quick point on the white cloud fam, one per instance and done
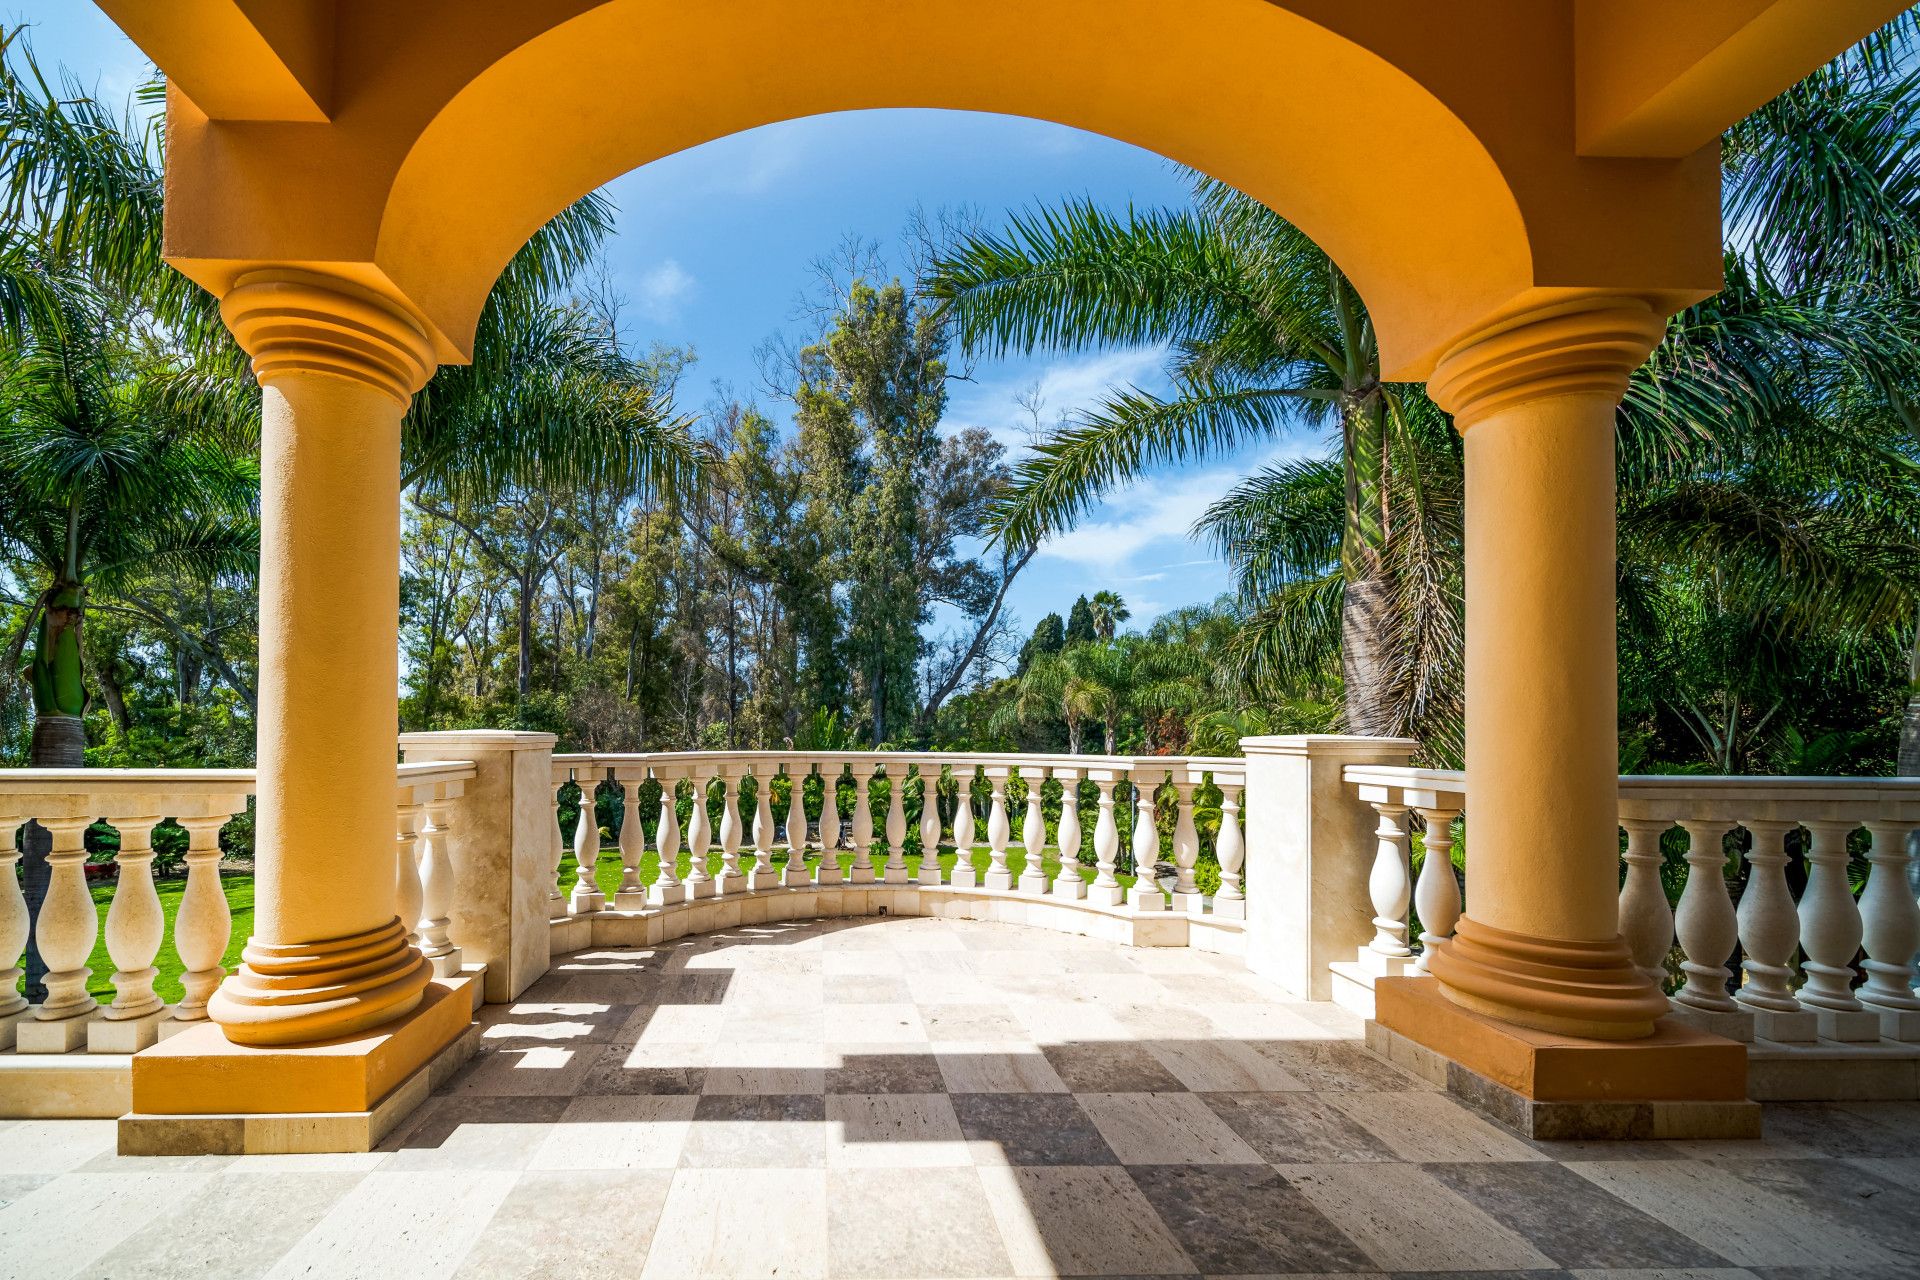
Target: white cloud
(1067, 386)
(663, 288)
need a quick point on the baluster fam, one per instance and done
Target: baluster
(1390, 888)
(1033, 831)
(999, 831)
(829, 872)
(667, 889)
(730, 876)
(15, 925)
(1186, 847)
(135, 929)
(1436, 895)
(862, 832)
(930, 824)
(204, 926)
(700, 881)
(1147, 895)
(587, 897)
(67, 929)
(965, 874)
(797, 825)
(1231, 901)
(895, 872)
(1890, 932)
(437, 883)
(407, 896)
(1646, 918)
(1066, 837)
(1106, 889)
(1708, 929)
(556, 900)
(1769, 935)
(762, 875)
(1830, 932)
(632, 893)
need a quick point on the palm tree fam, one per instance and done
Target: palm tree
(1109, 611)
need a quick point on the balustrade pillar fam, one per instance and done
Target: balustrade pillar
(1533, 396)
(1231, 851)
(1033, 832)
(796, 873)
(1436, 895)
(999, 830)
(1147, 894)
(1105, 890)
(861, 832)
(632, 893)
(556, 897)
(337, 366)
(829, 872)
(587, 897)
(763, 876)
(667, 888)
(406, 865)
(1390, 889)
(930, 825)
(1066, 837)
(965, 875)
(65, 931)
(437, 884)
(1890, 933)
(1769, 935)
(1708, 930)
(15, 924)
(895, 872)
(1646, 917)
(1830, 932)
(700, 881)
(203, 927)
(1186, 848)
(136, 927)
(730, 876)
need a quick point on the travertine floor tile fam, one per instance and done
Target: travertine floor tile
(417, 1223)
(54, 1146)
(913, 1222)
(1296, 1128)
(1029, 1128)
(742, 1223)
(1077, 1221)
(1165, 1128)
(1110, 1068)
(988, 1067)
(1221, 1066)
(617, 1133)
(1407, 1221)
(469, 1132)
(579, 1224)
(61, 1228)
(893, 1130)
(242, 1221)
(757, 1132)
(1569, 1219)
(875, 1023)
(1245, 1220)
(1424, 1127)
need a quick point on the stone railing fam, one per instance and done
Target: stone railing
(1755, 960)
(65, 803)
(736, 854)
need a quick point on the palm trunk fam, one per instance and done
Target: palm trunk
(1366, 603)
(1907, 762)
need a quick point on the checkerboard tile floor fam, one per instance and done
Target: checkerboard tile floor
(919, 1098)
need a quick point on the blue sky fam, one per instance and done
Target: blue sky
(715, 251)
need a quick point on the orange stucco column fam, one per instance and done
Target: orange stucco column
(328, 956)
(1534, 400)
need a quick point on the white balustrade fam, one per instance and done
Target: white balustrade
(1390, 886)
(1436, 894)
(203, 929)
(1830, 933)
(408, 815)
(862, 827)
(895, 872)
(437, 882)
(1186, 847)
(965, 875)
(587, 896)
(829, 872)
(730, 876)
(1232, 852)
(999, 830)
(1033, 832)
(1066, 837)
(1890, 932)
(763, 875)
(633, 844)
(136, 926)
(667, 888)
(700, 881)
(1105, 890)
(1147, 895)
(556, 898)
(796, 872)
(1646, 917)
(929, 825)
(1770, 935)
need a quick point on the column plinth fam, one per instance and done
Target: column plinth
(1533, 397)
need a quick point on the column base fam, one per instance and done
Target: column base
(762, 878)
(585, 904)
(1230, 908)
(894, 875)
(666, 895)
(1587, 989)
(1898, 1024)
(1676, 1083)
(861, 875)
(199, 1094)
(929, 872)
(1798, 1027)
(632, 900)
(1146, 897)
(1105, 895)
(303, 993)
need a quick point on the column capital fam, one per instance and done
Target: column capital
(1586, 346)
(298, 322)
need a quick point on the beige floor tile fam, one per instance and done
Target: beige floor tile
(742, 1223)
(235, 1224)
(54, 1146)
(418, 1224)
(1164, 1128)
(582, 1224)
(1407, 1221)
(674, 1023)
(757, 1132)
(618, 1133)
(1079, 1221)
(548, 1071)
(913, 1222)
(875, 1023)
(61, 1228)
(773, 1067)
(755, 1024)
(1220, 1066)
(1743, 1223)
(893, 1130)
(1054, 1022)
(996, 1067)
(1420, 1126)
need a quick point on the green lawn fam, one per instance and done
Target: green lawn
(239, 887)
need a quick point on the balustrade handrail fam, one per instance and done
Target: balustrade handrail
(1690, 787)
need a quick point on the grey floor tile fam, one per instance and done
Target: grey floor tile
(586, 1223)
(1030, 1129)
(1297, 1128)
(1405, 1219)
(1570, 1220)
(787, 1131)
(883, 1068)
(1831, 1129)
(619, 1070)
(1245, 1220)
(420, 1222)
(1080, 1222)
(473, 1132)
(1845, 1195)
(235, 1224)
(1117, 1067)
(1339, 1066)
